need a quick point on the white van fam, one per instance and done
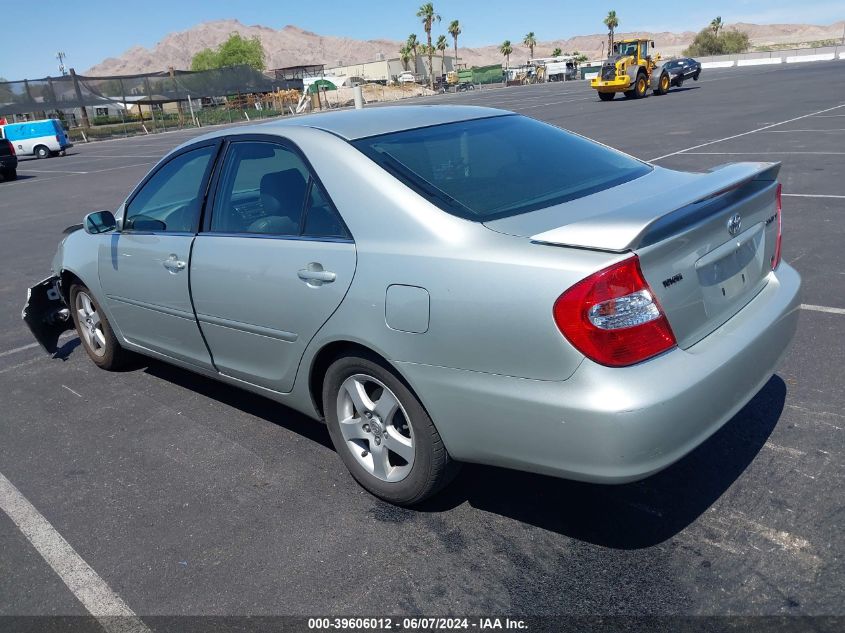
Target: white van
(37, 138)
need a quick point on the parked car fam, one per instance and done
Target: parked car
(406, 78)
(38, 138)
(8, 161)
(682, 69)
(443, 284)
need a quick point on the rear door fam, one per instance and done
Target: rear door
(273, 262)
(144, 267)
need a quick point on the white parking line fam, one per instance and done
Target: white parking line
(836, 129)
(753, 152)
(22, 348)
(812, 195)
(96, 596)
(741, 134)
(78, 173)
(807, 306)
(49, 171)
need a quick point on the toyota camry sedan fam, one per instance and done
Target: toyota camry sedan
(443, 285)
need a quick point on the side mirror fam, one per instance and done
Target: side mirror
(99, 222)
(652, 43)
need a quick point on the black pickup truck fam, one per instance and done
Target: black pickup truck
(8, 160)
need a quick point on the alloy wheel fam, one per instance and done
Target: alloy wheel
(375, 427)
(90, 325)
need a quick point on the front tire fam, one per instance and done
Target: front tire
(382, 433)
(641, 86)
(607, 96)
(94, 330)
(42, 151)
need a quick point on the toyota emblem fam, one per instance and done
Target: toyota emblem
(734, 223)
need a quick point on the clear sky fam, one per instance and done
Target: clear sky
(91, 31)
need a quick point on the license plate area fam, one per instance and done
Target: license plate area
(732, 272)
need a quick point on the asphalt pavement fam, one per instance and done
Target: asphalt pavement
(189, 497)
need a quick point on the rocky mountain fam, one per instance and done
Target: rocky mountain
(291, 45)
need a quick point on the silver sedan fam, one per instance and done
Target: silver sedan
(443, 285)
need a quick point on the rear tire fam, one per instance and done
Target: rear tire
(42, 151)
(95, 331)
(382, 433)
(663, 83)
(607, 96)
(10, 174)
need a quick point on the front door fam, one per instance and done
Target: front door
(144, 267)
(273, 264)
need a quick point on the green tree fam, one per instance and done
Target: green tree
(235, 51)
(530, 41)
(428, 17)
(557, 52)
(455, 30)
(506, 49)
(405, 55)
(579, 57)
(442, 45)
(206, 59)
(611, 22)
(716, 25)
(412, 43)
(728, 42)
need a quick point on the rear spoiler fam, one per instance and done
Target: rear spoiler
(651, 219)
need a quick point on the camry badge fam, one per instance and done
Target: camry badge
(734, 223)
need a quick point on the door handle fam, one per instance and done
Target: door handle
(174, 264)
(317, 275)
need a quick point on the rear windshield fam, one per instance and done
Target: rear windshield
(497, 167)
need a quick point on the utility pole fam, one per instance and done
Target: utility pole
(61, 57)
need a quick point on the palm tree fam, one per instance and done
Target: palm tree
(412, 45)
(405, 55)
(530, 41)
(506, 49)
(611, 22)
(428, 17)
(442, 45)
(455, 30)
(716, 25)
(557, 52)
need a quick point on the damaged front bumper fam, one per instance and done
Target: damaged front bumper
(46, 313)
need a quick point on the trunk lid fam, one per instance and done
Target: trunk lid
(702, 267)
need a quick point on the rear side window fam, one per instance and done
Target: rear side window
(497, 167)
(267, 189)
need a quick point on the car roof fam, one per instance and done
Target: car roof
(356, 124)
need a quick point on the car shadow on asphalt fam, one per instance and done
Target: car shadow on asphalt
(629, 516)
(241, 399)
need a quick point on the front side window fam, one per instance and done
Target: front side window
(267, 189)
(171, 200)
(485, 169)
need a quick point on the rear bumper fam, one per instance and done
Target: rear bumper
(614, 425)
(8, 162)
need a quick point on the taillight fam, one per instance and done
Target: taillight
(776, 255)
(613, 317)
(12, 148)
(58, 139)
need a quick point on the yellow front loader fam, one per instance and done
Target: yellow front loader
(631, 70)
